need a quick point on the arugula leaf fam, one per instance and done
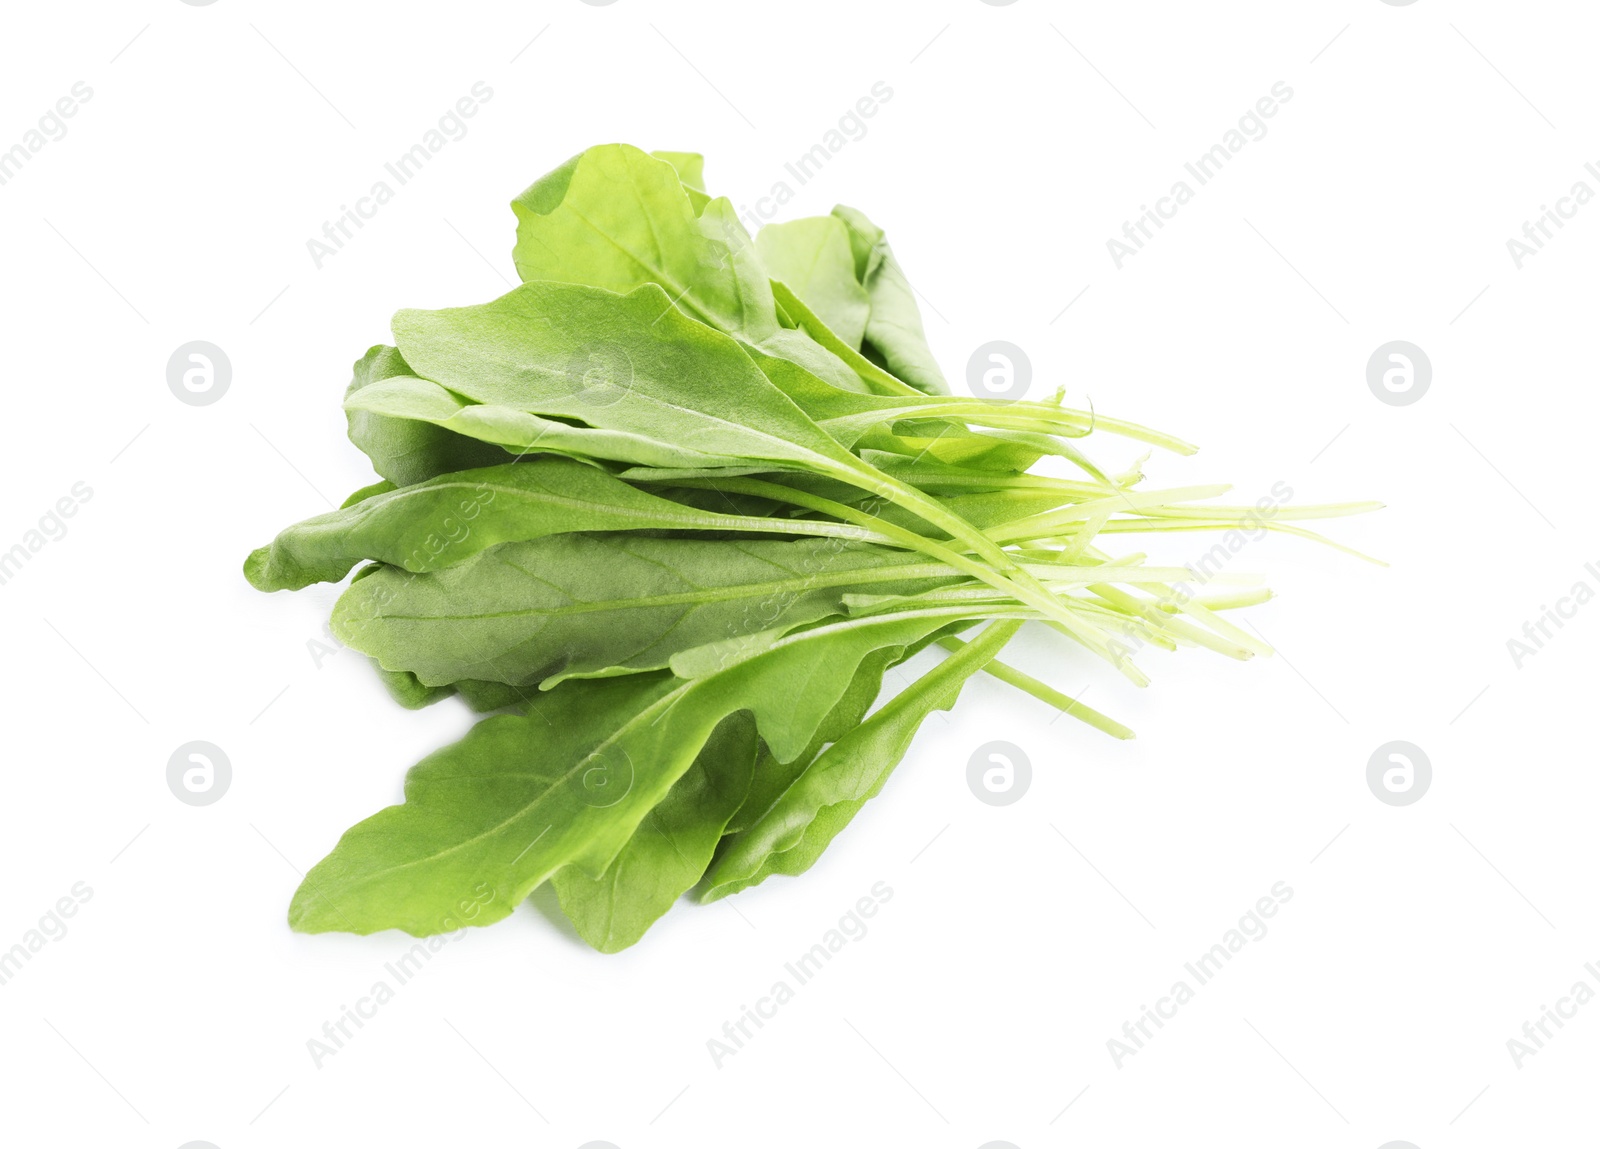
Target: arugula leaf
(894, 331)
(813, 259)
(631, 363)
(409, 691)
(494, 815)
(773, 777)
(421, 400)
(669, 851)
(690, 166)
(616, 218)
(447, 520)
(580, 605)
(404, 451)
(794, 830)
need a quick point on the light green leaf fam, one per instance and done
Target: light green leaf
(690, 166)
(669, 851)
(794, 830)
(894, 330)
(402, 450)
(447, 520)
(619, 219)
(582, 605)
(520, 432)
(629, 363)
(813, 258)
(491, 817)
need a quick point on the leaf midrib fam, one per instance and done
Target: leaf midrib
(737, 591)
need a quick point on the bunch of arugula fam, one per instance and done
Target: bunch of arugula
(673, 507)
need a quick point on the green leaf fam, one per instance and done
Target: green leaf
(406, 689)
(421, 400)
(794, 830)
(773, 777)
(690, 166)
(381, 487)
(669, 851)
(628, 363)
(894, 330)
(581, 605)
(449, 519)
(617, 218)
(492, 816)
(402, 450)
(813, 258)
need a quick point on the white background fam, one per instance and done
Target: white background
(977, 1009)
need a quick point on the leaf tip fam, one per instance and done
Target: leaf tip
(256, 569)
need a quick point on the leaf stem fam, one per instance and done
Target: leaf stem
(1046, 693)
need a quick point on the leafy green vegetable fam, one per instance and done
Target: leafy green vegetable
(673, 507)
(580, 605)
(791, 833)
(491, 817)
(619, 219)
(446, 520)
(670, 850)
(813, 259)
(404, 451)
(894, 334)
